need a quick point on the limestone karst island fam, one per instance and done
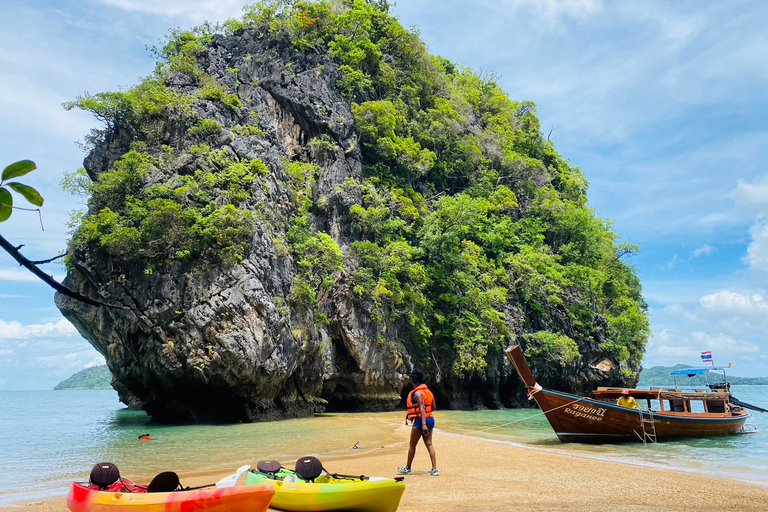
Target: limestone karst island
(298, 207)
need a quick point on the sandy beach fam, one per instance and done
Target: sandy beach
(486, 475)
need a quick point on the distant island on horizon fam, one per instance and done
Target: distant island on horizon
(95, 377)
(659, 376)
(98, 377)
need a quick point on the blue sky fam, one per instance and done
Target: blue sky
(661, 104)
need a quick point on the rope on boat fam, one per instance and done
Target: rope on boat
(573, 402)
(529, 417)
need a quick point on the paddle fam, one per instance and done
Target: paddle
(736, 401)
(231, 480)
(347, 477)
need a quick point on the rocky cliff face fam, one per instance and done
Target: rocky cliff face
(231, 341)
(221, 345)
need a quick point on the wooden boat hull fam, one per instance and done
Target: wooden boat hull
(251, 498)
(332, 494)
(584, 420)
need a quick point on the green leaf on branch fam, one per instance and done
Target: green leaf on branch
(6, 204)
(17, 169)
(29, 193)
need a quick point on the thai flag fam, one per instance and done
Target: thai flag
(706, 357)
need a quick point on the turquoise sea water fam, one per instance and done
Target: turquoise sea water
(50, 438)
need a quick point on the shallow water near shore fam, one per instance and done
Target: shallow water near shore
(53, 437)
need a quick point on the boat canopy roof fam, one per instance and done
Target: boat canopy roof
(696, 371)
(662, 393)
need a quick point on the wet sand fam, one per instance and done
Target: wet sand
(484, 475)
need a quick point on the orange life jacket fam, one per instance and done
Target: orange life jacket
(414, 411)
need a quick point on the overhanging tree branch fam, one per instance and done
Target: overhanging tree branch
(41, 262)
(49, 280)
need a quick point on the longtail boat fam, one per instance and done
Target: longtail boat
(663, 413)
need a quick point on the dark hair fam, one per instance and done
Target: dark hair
(417, 376)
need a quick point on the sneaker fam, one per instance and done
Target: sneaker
(433, 472)
(403, 471)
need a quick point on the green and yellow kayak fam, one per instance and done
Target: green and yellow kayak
(330, 492)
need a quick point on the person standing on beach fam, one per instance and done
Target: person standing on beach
(421, 404)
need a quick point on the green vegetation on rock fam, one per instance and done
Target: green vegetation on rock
(467, 209)
(174, 219)
(95, 377)
(469, 230)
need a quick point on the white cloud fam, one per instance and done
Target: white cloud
(680, 345)
(736, 313)
(17, 275)
(212, 10)
(666, 352)
(35, 109)
(729, 323)
(99, 361)
(732, 302)
(752, 196)
(704, 250)
(18, 331)
(723, 344)
(21, 275)
(552, 11)
(757, 252)
(40, 356)
(672, 262)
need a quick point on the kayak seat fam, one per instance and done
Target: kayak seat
(103, 475)
(166, 481)
(309, 468)
(269, 467)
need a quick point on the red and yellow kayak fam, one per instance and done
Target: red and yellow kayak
(246, 498)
